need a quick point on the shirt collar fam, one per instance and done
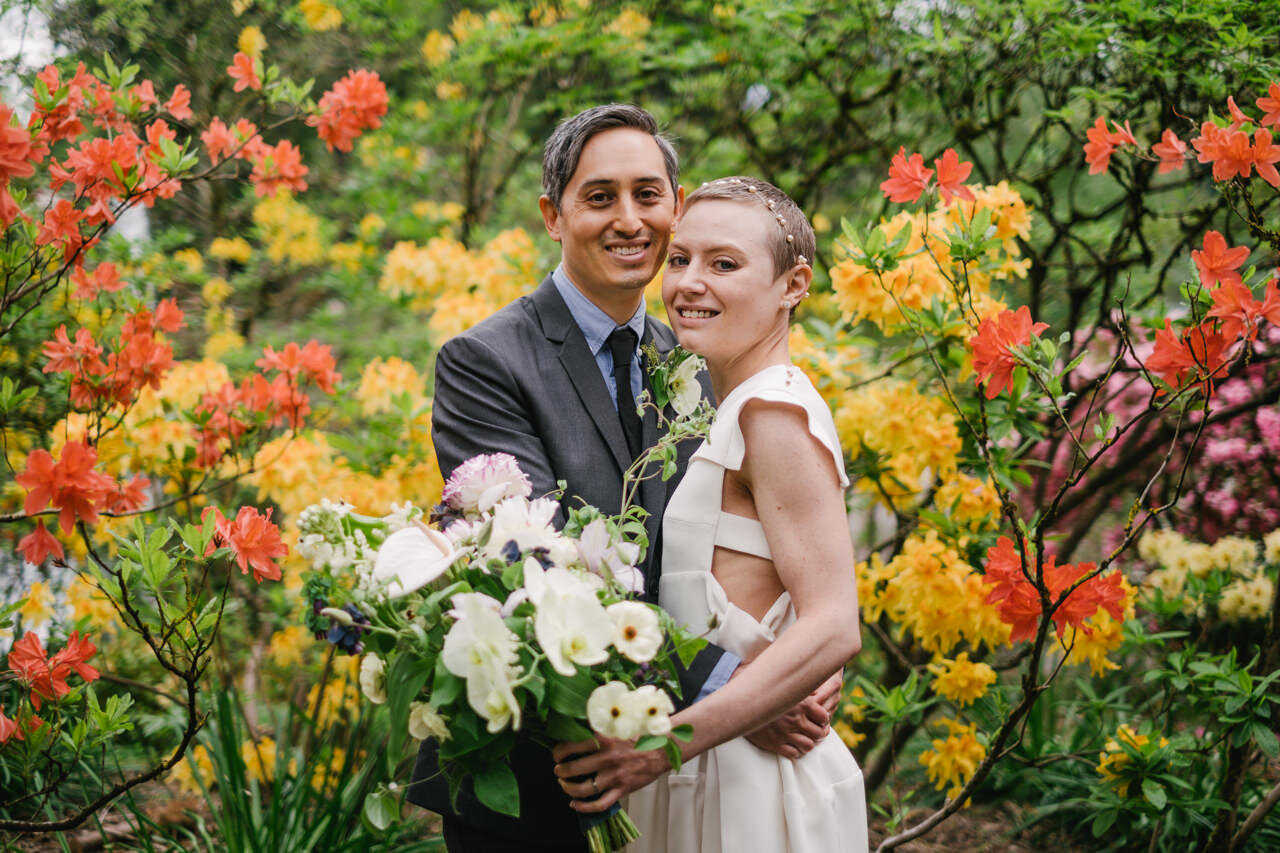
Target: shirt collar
(595, 324)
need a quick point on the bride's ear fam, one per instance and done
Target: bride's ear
(798, 281)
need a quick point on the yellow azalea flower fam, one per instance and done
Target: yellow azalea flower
(38, 607)
(320, 16)
(339, 698)
(723, 11)
(289, 230)
(629, 24)
(216, 290)
(1271, 547)
(371, 225)
(465, 24)
(284, 471)
(969, 500)
(436, 48)
(544, 14)
(90, 604)
(191, 259)
(450, 91)
(420, 110)
(231, 249)
(383, 379)
(1113, 760)
(252, 42)
(326, 774)
(961, 680)
(195, 770)
(830, 366)
(347, 256)
(1246, 600)
(846, 733)
(1100, 635)
(239, 7)
(220, 343)
(259, 760)
(953, 759)
(1235, 554)
(288, 645)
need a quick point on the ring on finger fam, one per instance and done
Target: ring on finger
(595, 787)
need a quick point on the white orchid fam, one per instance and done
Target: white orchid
(373, 679)
(611, 712)
(685, 391)
(570, 623)
(481, 649)
(528, 524)
(425, 723)
(411, 558)
(603, 556)
(635, 630)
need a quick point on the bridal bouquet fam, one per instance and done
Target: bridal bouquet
(491, 621)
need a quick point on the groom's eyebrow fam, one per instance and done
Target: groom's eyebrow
(594, 183)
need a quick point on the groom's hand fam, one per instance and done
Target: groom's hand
(804, 726)
(596, 774)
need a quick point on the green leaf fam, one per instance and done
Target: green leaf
(1266, 740)
(495, 787)
(1154, 792)
(566, 729)
(569, 694)
(381, 809)
(1103, 822)
(649, 742)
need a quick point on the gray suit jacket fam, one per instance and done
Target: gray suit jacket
(525, 382)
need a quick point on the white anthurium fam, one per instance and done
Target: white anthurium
(425, 723)
(482, 649)
(373, 679)
(635, 630)
(685, 391)
(571, 624)
(411, 558)
(653, 707)
(612, 713)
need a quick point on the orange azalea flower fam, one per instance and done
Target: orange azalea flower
(355, 103)
(1228, 150)
(255, 540)
(242, 69)
(70, 485)
(1234, 305)
(217, 139)
(993, 359)
(9, 209)
(179, 105)
(1200, 351)
(907, 177)
(17, 155)
(1265, 157)
(1238, 118)
(1217, 263)
(1019, 602)
(145, 92)
(314, 361)
(37, 545)
(80, 357)
(61, 225)
(1271, 303)
(47, 679)
(1270, 105)
(105, 276)
(1103, 142)
(130, 496)
(951, 176)
(75, 654)
(277, 167)
(1172, 152)
(8, 728)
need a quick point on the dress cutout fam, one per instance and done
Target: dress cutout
(736, 797)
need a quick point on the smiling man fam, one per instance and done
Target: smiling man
(552, 379)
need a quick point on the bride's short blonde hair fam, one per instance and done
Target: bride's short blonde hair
(792, 242)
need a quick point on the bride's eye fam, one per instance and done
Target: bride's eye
(724, 265)
(677, 261)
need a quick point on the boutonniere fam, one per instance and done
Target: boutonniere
(674, 379)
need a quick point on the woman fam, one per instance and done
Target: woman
(756, 543)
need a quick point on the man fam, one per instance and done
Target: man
(541, 379)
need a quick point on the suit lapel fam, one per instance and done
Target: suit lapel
(580, 365)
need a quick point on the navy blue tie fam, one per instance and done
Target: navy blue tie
(622, 344)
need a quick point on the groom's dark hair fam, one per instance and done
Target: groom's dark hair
(564, 147)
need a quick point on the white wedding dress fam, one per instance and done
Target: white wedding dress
(736, 798)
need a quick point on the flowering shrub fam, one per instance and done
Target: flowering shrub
(127, 444)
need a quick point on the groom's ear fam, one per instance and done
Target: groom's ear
(550, 217)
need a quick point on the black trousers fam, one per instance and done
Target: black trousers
(462, 838)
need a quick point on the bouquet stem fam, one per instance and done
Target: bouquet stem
(613, 833)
